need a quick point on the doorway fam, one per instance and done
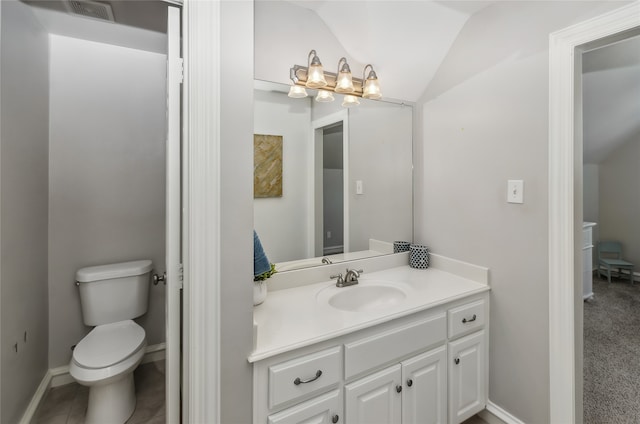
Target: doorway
(565, 202)
(329, 186)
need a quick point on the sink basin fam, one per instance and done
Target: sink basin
(361, 298)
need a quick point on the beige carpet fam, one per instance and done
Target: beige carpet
(612, 353)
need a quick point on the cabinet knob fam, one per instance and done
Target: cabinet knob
(409, 382)
(398, 388)
(335, 419)
(457, 361)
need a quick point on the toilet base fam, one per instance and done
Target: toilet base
(112, 403)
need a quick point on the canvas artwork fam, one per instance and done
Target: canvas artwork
(267, 165)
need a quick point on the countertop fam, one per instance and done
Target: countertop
(297, 317)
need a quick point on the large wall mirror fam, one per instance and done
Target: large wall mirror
(346, 179)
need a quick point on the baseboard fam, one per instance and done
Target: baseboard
(60, 376)
(493, 414)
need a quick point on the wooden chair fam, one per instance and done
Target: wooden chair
(610, 257)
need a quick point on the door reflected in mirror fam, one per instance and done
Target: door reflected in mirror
(347, 188)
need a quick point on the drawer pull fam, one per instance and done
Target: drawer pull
(335, 419)
(398, 388)
(409, 382)
(297, 381)
(464, 320)
(457, 361)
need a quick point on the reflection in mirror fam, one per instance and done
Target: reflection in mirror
(346, 178)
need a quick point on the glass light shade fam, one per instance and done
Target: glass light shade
(315, 77)
(297, 92)
(350, 100)
(371, 89)
(344, 83)
(324, 96)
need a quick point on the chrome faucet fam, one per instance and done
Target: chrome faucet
(326, 261)
(350, 278)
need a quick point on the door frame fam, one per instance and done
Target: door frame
(565, 157)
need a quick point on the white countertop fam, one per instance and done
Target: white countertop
(297, 317)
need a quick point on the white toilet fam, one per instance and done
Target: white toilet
(111, 296)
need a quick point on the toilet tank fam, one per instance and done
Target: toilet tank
(115, 292)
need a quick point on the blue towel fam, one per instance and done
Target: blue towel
(260, 262)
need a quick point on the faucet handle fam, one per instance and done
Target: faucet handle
(339, 280)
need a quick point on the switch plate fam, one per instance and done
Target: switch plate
(359, 189)
(515, 191)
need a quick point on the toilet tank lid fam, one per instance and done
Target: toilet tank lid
(105, 272)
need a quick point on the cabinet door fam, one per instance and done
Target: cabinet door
(375, 398)
(424, 399)
(323, 409)
(467, 377)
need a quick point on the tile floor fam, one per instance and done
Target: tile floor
(68, 404)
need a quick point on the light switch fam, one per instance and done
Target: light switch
(359, 189)
(515, 191)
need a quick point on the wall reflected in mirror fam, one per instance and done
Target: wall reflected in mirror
(347, 189)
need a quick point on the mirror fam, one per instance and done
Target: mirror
(346, 189)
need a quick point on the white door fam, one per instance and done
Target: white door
(467, 394)
(424, 398)
(173, 224)
(375, 399)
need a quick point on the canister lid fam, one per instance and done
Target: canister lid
(105, 272)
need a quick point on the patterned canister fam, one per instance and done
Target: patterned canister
(419, 256)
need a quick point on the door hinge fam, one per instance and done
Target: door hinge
(181, 70)
(180, 276)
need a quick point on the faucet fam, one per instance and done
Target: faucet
(350, 278)
(326, 261)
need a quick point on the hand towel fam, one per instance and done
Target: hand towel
(260, 262)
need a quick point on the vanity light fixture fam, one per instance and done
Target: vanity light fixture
(371, 85)
(313, 76)
(344, 83)
(350, 100)
(324, 96)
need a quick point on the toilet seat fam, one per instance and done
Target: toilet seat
(109, 344)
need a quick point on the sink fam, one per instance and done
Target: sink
(363, 298)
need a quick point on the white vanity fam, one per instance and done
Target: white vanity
(402, 346)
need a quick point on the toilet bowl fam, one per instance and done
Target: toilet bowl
(105, 360)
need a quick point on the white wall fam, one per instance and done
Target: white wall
(24, 122)
(281, 222)
(484, 121)
(106, 175)
(620, 199)
(380, 155)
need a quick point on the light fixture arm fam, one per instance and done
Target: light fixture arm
(372, 73)
(345, 65)
(313, 59)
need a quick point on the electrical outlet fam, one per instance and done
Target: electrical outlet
(515, 191)
(359, 188)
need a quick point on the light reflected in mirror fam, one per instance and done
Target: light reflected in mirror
(347, 189)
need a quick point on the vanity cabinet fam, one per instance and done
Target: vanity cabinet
(429, 367)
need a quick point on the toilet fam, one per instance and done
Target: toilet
(111, 296)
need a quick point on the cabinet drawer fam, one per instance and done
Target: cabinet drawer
(362, 355)
(466, 318)
(301, 376)
(323, 409)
